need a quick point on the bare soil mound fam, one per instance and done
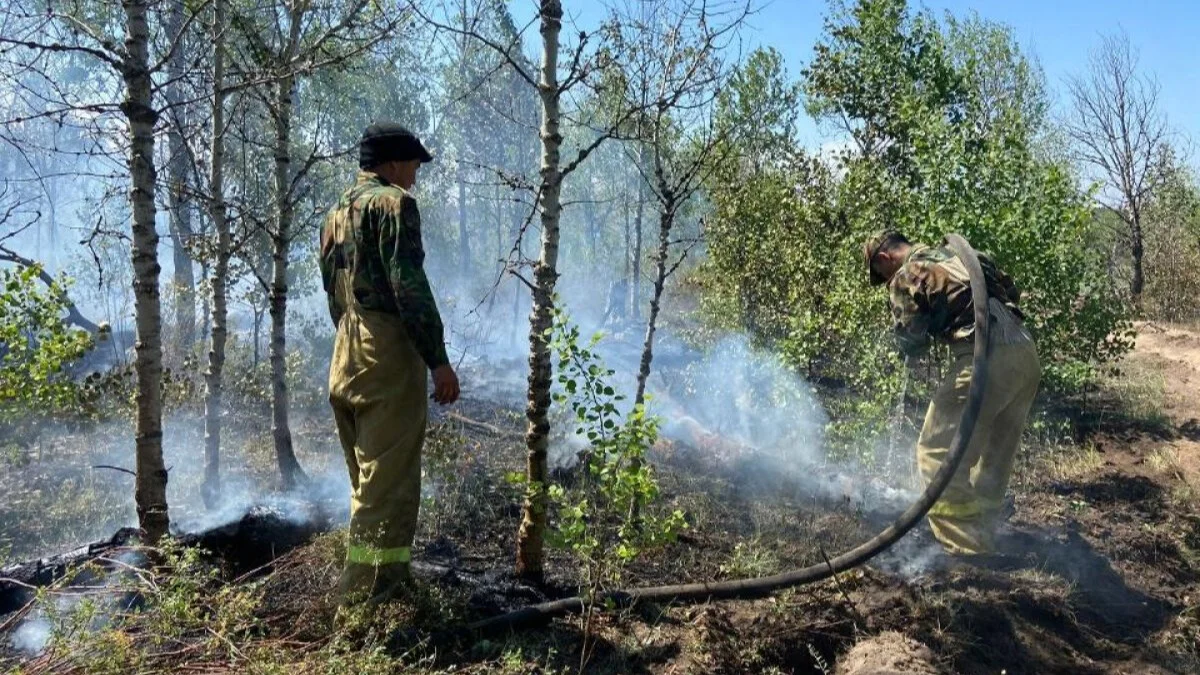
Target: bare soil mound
(888, 653)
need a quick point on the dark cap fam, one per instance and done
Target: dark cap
(874, 245)
(384, 142)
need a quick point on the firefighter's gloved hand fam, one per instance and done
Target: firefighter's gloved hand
(445, 385)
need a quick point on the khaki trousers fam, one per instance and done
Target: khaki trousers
(965, 517)
(378, 390)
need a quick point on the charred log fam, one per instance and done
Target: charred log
(241, 547)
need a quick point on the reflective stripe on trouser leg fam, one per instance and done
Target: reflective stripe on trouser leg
(378, 376)
(963, 519)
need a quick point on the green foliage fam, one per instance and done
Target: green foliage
(183, 606)
(609, 523)
(1172, 262)
(36, 348)
(943, 125)
(876, 70)
(750, 559)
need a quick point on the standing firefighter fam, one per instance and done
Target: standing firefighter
(930, 294)
(389, 335)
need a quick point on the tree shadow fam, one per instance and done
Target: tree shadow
(1191, 430)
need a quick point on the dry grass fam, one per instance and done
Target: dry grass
(1137, 389)
(1069, 462)
(287, 618)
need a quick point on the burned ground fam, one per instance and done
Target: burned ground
(1100, 572)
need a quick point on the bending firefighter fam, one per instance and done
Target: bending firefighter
(389, 336)
(930, 296)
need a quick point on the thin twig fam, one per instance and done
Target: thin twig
(845, 596)
(114, 468)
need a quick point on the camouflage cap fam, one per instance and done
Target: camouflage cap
(871, 249)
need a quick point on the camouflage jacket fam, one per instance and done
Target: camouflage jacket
(931, 298)
(373, 235)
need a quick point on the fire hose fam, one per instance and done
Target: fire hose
(763, 586)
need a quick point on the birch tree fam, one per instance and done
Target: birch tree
(558, 87)
(677, 142)
(1122, 137)
(214, 373)
(139, 110)
(178, 190)
(33, 33)
(551, 90)
(285, 42)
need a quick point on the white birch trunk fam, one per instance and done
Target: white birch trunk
(531, 538)
(281, 239)
(151, 481)
(177, 169)
(213, 375)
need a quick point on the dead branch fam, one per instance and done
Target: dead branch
(114, 468)
(480, 426)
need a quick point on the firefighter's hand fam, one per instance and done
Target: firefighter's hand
(445, 385)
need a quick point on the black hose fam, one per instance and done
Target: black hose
(762, 586)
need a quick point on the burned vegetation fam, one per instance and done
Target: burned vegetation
(652, 285)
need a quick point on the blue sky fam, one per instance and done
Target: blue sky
(1059, 32)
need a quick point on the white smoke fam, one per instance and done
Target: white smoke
(748, 397)
(31, 637)
(104, 598)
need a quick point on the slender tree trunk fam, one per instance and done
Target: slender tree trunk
(181, 225)
(530, 539)
(665, 222)
(151, 481)
(258, 317)
(205, 298)
(464, 237)
(214, 375)
(499, 223)
(593, 234)
(460, 167)
(52, 221)
(635, 289)
(281, 239)
(627, 271)
(518, 220)
(1137, 249)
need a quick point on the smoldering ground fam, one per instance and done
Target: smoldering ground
(728, 405)
(725, 398)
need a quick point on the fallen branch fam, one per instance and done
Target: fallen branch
(481, 426)
(862, 622)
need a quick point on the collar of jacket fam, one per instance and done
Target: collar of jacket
(913, 249)
(365, 176)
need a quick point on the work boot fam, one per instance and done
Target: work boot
(362, 588)
(371, 584)
(1009, 509)
(394, 581)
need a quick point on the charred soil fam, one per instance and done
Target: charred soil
(1100, 570)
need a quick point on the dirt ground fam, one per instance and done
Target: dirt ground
(1104, 550)
(1100, 572)
(1175, 352)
